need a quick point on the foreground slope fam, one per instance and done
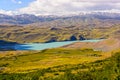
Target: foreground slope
(73, 65)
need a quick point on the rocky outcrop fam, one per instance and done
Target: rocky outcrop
(52, 39)
(81, 37)
(53, 28)
(73, 38)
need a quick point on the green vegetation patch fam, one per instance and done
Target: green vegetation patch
(108, 69)
(47, 58)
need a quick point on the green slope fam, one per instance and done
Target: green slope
(103, 69)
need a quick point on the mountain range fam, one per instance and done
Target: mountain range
(27, 28)
(24, 19)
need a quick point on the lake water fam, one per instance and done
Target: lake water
(42, 46)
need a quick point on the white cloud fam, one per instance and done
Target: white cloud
(61, 7)
(69, 6)
(8, 12)
(5, 12)
(55, 6)
(19, 2)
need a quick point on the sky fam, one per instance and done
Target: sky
(57, 7)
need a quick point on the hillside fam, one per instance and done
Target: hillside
(77, 61)
(27, 28)
(59, 39)
(57, 64)
(104, 45)
(47, 34)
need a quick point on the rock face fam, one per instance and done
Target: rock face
(54, 28)
(53, 39)
(81, 37)
(73, 38)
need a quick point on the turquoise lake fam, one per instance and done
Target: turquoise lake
(42, 46)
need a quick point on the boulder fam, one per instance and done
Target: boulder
(53, 39)
(81, 37)
(73, 38)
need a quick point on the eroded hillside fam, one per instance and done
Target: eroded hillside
(50, 34)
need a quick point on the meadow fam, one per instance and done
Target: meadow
(60, 64)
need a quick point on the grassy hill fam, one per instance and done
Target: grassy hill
(57, 64)
(49, 34)
(61, 28)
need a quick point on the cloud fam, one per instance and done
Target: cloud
(69, 6)
(61, 7)
(8, 12)
(17, 2)
(55, 6)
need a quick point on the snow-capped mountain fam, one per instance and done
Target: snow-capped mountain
(29, 18)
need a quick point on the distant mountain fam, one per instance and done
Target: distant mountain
(23, 19)
(29, 19)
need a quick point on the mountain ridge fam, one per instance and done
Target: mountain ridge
(24, 19)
